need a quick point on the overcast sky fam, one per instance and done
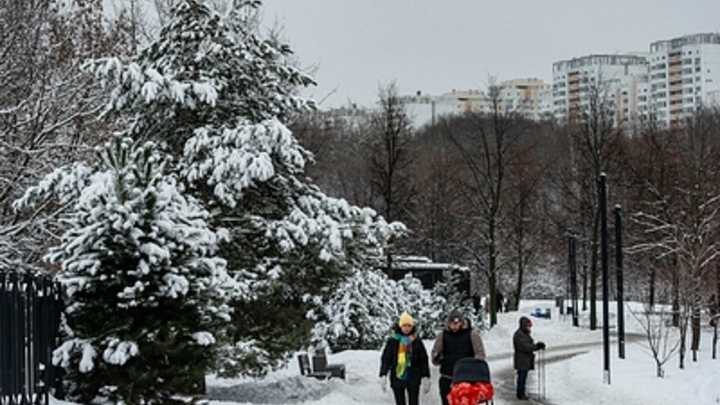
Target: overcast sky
(435, 46)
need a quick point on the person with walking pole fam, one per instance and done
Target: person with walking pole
(524, 355)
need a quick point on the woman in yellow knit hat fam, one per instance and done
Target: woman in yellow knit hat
(405, 360)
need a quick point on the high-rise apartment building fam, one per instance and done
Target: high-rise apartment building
(522, 97)
(684, 75)
(666, 85)
(610, 79)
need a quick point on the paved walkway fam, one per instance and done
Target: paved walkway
(504, 375)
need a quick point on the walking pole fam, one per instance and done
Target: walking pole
(542, 367)
(539, 374)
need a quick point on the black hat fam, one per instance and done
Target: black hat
(455, 316)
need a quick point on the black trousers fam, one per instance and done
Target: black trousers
(413, 395)
(522, 376)
(445, 385)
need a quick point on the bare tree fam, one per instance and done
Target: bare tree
(390, 154)
(524, 231)
(437, 231)
(662, 341)
(594, 138)
(47, 108)
(488, 145)
(681, 221)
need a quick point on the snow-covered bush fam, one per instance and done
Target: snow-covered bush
(362, 311)
(146, 297)
(424, 305)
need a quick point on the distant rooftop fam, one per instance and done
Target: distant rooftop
(423, 263)
(679, 42)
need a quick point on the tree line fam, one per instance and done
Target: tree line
(501, 194)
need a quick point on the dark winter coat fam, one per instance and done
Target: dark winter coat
(452, 346)
(419, 366)
(523, 346)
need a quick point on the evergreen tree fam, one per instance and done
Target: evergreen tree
(146, 298)
(213, 93)
(427, 307)
(358, 315)
(454, 298)
(361, 313)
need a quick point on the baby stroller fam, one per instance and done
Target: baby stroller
(471, 383)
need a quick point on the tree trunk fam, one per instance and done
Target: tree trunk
(683, 340)
(695, 339)
(651, 288)
(715, 340)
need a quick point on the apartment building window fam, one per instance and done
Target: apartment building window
(689, 110)
(698, 68)
(697, 61)
(642, 98)
(687, 80)
(688, 100)
(658, 76)
(687, 61)
(687, 71)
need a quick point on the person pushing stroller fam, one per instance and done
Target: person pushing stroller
(458, 340)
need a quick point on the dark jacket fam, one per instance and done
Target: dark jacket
(452, 346)
(419, 366)
(524, 347)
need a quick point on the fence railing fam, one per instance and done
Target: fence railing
(30, 307)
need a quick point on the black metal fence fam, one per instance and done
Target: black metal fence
(30, 307)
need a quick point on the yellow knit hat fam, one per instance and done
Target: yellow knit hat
(406, 319)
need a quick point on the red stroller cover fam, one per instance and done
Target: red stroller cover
(470, 394)
(471, 383)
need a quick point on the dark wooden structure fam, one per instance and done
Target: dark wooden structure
(428, 272)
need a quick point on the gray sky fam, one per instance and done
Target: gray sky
(435, 46)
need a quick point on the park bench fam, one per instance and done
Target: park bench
(319, 368)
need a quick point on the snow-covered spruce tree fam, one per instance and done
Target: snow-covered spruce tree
(146, 298)
(426, 307)
(359, 314)
(214, 93)
(455, 298)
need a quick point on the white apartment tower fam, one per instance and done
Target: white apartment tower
(522, 97)
(617, 79)
(684, 75)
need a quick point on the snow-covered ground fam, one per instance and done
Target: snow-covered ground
(573, 371)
